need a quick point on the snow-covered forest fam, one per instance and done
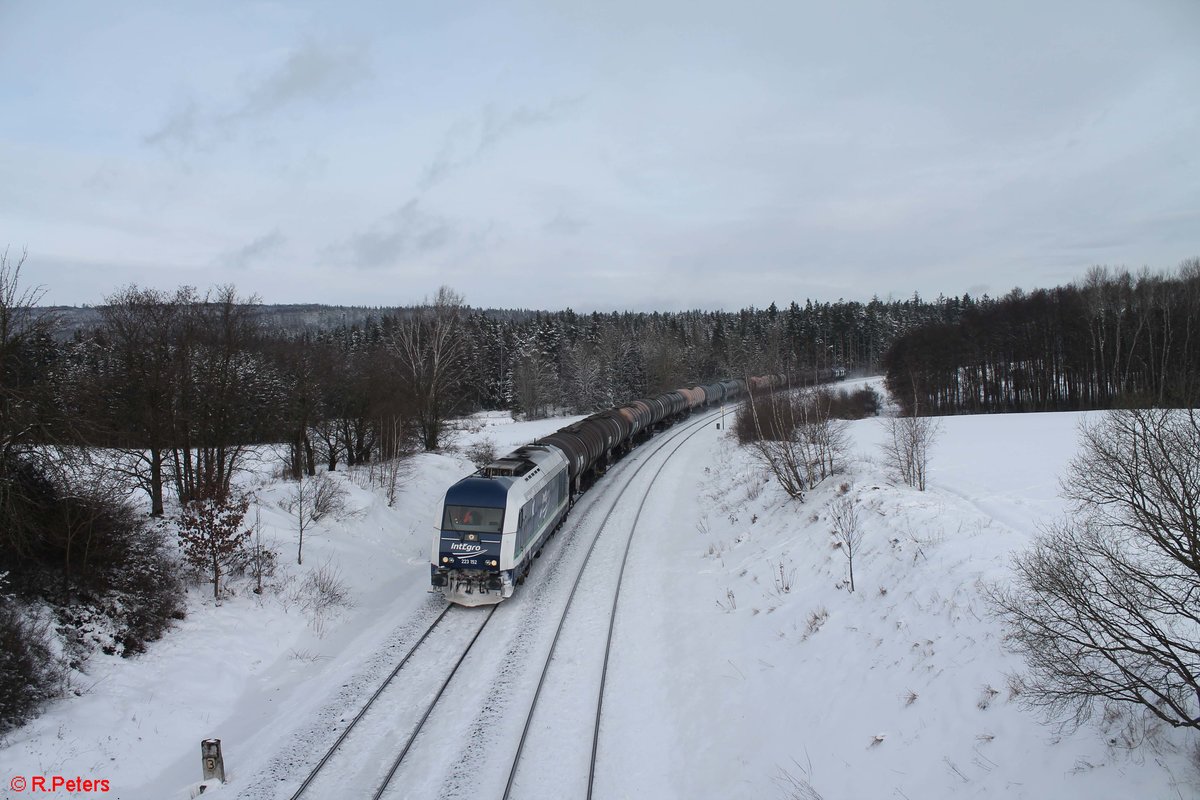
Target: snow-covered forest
(1111, 339)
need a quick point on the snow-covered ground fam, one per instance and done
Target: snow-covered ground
(743, 666)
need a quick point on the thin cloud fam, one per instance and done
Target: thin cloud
(564, 224)
(466, 141)
(407, 231)
(254, 251)
(311, 73)
(182, 128)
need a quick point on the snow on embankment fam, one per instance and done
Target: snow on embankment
(268, 674)
(786, 682)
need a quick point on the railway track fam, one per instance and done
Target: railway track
(580, 621)
(354, 759)
(368, 755)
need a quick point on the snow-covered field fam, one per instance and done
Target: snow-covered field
(743, 665)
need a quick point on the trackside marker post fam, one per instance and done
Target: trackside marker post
(212, 761)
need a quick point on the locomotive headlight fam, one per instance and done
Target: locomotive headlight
(470, 537)
(494, 563)
(445, 559)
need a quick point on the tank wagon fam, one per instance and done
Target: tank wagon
(494, 522)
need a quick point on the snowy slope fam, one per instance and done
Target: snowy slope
(761, 675)
(729, 678)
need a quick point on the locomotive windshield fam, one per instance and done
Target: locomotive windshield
(471, 518)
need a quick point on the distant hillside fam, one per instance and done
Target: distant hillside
(294, 318)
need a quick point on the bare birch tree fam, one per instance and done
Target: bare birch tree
(906, 447)
(430, 348)
(847, 529)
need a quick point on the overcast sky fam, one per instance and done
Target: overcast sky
(598, 155)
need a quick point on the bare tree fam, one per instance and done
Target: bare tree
(1103, 607)
(430, 347)
(906, 447)
(261, 557)
(300, 504)
(847, 529)
(224, 387)
(20, 328)
(140, 384)
(23, 404)
(794, 437)
(773, 421)
(826, 435)
(482, 452)
(312, 499)
(535, 385)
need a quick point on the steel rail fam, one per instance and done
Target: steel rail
(363, 711)
(686, 433)
(429, 710)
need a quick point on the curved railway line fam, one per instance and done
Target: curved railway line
(381, 736)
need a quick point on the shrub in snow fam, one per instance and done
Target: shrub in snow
(906, 447)
(783, 578)
(986, 695)
(815, 620)
(845, 404)
(730, 602)
(109, 577)
(482, 452)
(258, 558)
(29, 674)
(793, 787)
(388, 474)
(146, 593)
(794, 438)
(312, 499)
(212, 535)
(321, 593)
(328, 497)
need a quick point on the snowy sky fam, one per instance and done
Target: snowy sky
(615, 154)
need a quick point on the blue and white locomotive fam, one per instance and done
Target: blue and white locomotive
(494, 523)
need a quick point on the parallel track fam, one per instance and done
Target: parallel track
(691, 428)
(323, 767)
(327, 768)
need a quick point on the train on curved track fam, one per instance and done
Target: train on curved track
(494, 523)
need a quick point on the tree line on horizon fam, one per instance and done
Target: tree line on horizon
(1113, 339)
(185, 382)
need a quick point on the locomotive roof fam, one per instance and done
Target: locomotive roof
(488, 488)
(479, 492)
(517, 463)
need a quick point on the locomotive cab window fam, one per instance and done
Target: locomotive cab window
(471, 518)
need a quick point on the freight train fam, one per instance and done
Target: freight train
(494, 523)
